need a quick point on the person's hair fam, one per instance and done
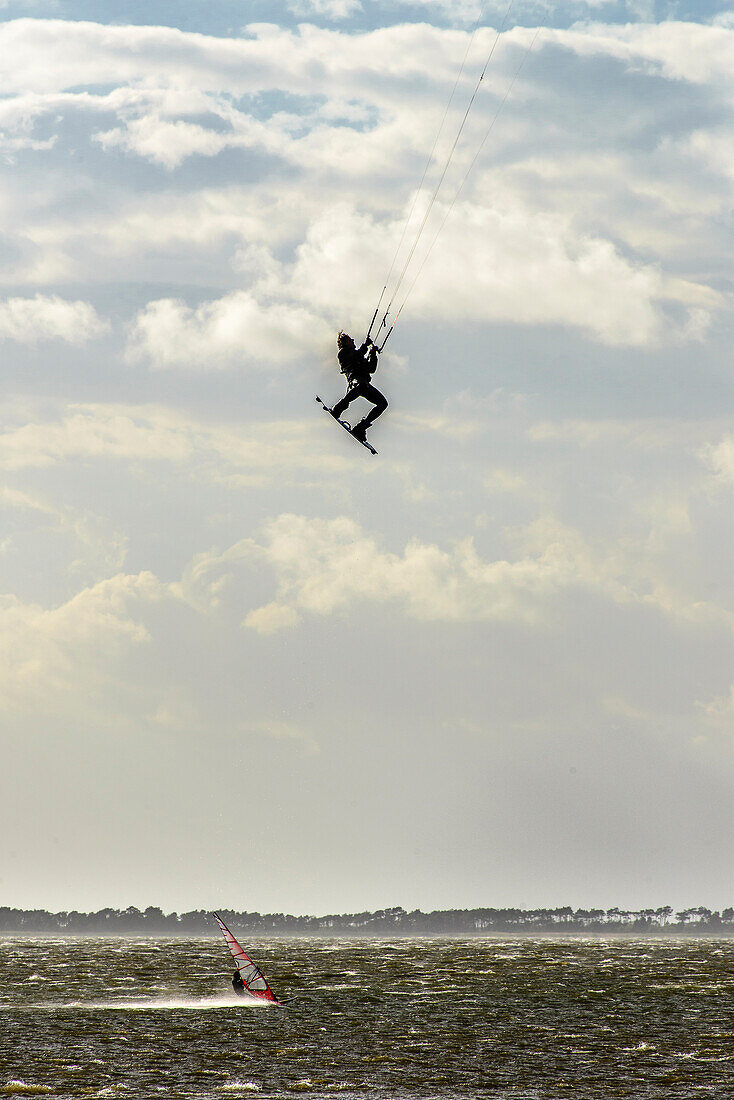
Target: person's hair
(343, 338)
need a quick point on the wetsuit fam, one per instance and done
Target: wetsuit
(237, 984)
(359, 364)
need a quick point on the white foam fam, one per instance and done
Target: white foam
(159, 1004)
(17, 1087)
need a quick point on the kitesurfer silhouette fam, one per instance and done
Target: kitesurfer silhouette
(359, 364)
(237, 984)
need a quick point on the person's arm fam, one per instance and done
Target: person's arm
(371, 358)
(366, 356)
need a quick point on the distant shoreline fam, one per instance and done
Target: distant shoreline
(395, 923)
(381, 937)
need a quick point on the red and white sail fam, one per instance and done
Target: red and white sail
(254, 979)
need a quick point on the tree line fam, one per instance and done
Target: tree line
(383, 922)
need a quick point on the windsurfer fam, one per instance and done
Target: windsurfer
(248, 979)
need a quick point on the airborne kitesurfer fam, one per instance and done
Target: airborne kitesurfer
(359, 364)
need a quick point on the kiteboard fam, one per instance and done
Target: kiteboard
(347, 427)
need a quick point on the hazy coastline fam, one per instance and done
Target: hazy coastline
(395, 922)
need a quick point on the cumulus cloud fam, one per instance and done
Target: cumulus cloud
(168, 143)
(696, 52)
(509, 264)
(77, 541)
(492, 265)
(644, 550)
(545, 234)
(91, 662)
(714, 146)
(323, 567)
(61, 658)
(242, 454)
(235, 329)
(31, 320)
(158, 126)
(272, 618)
(95, 432)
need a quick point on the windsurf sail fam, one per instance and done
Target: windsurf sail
(254, 979)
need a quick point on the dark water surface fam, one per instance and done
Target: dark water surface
(522, 1019)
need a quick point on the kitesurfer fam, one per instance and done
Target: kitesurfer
(359, 364)
(237, 984)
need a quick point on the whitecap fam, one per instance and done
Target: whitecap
(17, 1087)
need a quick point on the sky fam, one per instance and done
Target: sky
(246, 664)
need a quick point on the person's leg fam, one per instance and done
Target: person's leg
(379, 402)
(351, 395)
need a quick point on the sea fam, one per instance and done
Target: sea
(369, 1019)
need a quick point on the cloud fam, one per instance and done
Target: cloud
(61, 659)
(238, 453)
(110, 659)
(695, 52)
(547, 232)
(235, 329)
(720, 457)
(272, 618)
(493, 265)
(332, 9)
(157, 126)
(637, 547)
(720, 712)
(462, 11)
(324, 567)
(95, 432)
(30, 320)
(167, 143)
(75, 541)
(537, 269)
(714, 147)
(635, 536)
(643, 435)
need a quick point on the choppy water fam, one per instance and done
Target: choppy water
(374, 1020)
